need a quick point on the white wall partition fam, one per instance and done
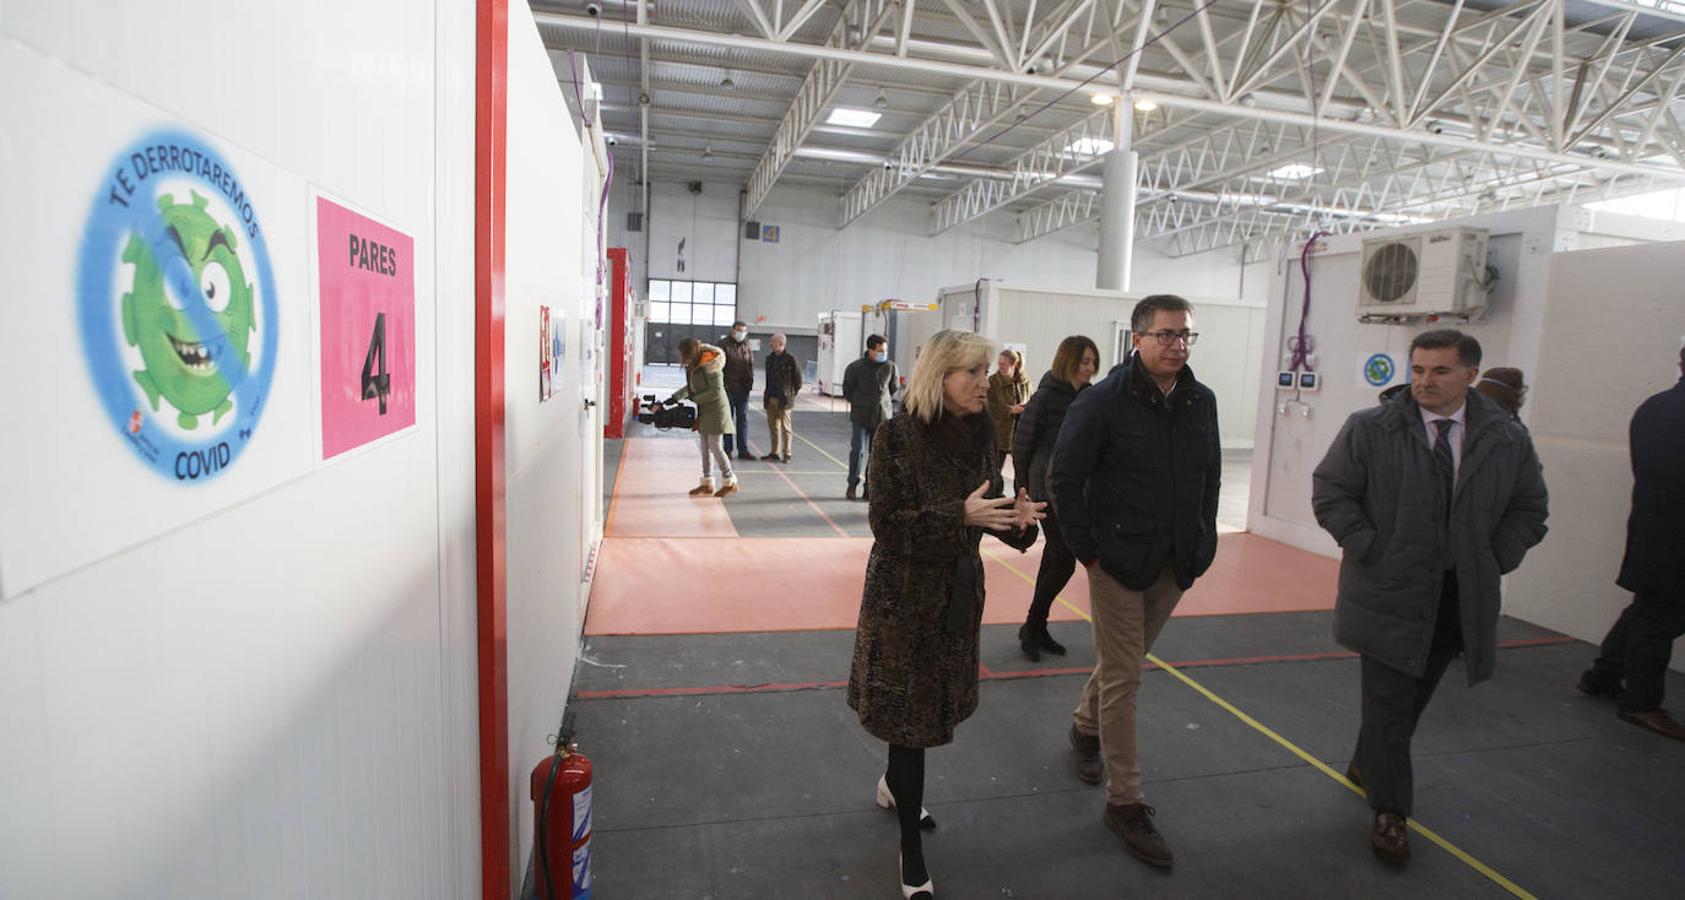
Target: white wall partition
(1613, 325)
(274, 698)
(552, 435)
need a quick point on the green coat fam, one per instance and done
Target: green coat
(705, 386)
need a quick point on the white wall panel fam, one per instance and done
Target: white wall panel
(1614, 321)
(705, 221)
(549, 263)
(1520, 246)
(282, 690)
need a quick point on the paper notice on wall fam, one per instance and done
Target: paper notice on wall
(157, 322)
(546, 356)
(1379, 369)
(365, 278)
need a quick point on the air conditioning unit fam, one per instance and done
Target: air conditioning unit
(1432, 273)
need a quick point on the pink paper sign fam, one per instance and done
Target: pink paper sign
(367, 283)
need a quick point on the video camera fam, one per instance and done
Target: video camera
(667, 417)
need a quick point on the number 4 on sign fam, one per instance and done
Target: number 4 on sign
(376, 383)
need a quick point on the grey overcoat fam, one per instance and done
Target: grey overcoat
(1378, 492)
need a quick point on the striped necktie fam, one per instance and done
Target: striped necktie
(1442, 456)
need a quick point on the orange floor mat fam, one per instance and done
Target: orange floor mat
(661, 585)
(649, 493)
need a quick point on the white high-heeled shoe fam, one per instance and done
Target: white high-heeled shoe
(909, 891)
(886, 800)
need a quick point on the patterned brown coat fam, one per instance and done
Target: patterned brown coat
(914, 676)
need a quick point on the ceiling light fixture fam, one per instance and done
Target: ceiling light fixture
(1088, 146)
(882, 102)
(1294, 172)
(708, 151)
(727, 83)
(853, 118)
(1145, 105)
(1099, 99)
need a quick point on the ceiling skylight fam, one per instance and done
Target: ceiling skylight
(853, 118)
(1088, 146)
(1294, 172)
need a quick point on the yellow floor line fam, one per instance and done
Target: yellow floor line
(1296, 750)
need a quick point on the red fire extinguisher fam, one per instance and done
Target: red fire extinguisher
(561, 795)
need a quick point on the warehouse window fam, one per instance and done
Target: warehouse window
(701, 303)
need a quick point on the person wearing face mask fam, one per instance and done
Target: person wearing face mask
(1074, 365)
(1136, 470)
(869, 386)
(739, 381)
(914, 673)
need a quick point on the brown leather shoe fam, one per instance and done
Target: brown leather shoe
(1087, 746)
(729, 489)
(1656, 720)
(1134, 823)
(1389, 837)
(705, 489)
(852, 493)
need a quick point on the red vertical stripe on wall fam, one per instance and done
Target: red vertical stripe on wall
(491, 108)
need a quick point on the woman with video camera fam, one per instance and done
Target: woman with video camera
(914, 676)
(705, 386)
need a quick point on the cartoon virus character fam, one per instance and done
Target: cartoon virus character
(194, 371)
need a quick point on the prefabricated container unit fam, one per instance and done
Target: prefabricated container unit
(840, 343)
(905, 325)
(1227, 358)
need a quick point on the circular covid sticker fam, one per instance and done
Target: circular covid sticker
(177, 306)
(1378, 370)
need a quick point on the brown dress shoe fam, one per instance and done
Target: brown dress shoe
(852, 493)
(705, 489)
(1087, 746)
(1656, 720)
(1134, 823)
(729, 489)
(1389, 838)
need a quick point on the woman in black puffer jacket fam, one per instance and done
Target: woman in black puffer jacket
(1074, 366)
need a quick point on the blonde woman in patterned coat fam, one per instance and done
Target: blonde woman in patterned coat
(914, 676)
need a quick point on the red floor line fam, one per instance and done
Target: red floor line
(756, 450)
(987, 674)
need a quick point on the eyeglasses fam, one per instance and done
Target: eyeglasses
(1166, 338)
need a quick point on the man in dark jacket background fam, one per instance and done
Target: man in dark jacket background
(1640, 644)
(1136, 471)
(869, 386)
(739, 381)
(1432, 496)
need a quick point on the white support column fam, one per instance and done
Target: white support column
(1117, 202)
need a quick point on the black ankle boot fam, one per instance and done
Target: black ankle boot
(1048, 643)
(1030, 642)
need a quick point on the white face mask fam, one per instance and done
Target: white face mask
(881, 356)
(739, 335)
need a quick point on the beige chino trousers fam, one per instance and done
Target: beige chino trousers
(1126, 623)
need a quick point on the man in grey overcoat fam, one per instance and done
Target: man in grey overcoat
(1432, 496)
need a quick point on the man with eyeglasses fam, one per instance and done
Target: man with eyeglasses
(1433, 496)
(1135, 476)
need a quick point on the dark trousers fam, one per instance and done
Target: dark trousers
(1392, 705)
(1639, 646)
(740, 416)
(859, 452)
(1057, 566)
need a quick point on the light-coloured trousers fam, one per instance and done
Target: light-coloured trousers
(1126, 623)
(711, 447)
(779, 428)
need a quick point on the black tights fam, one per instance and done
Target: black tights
(905, 777)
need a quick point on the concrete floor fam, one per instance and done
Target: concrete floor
(728, 765)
